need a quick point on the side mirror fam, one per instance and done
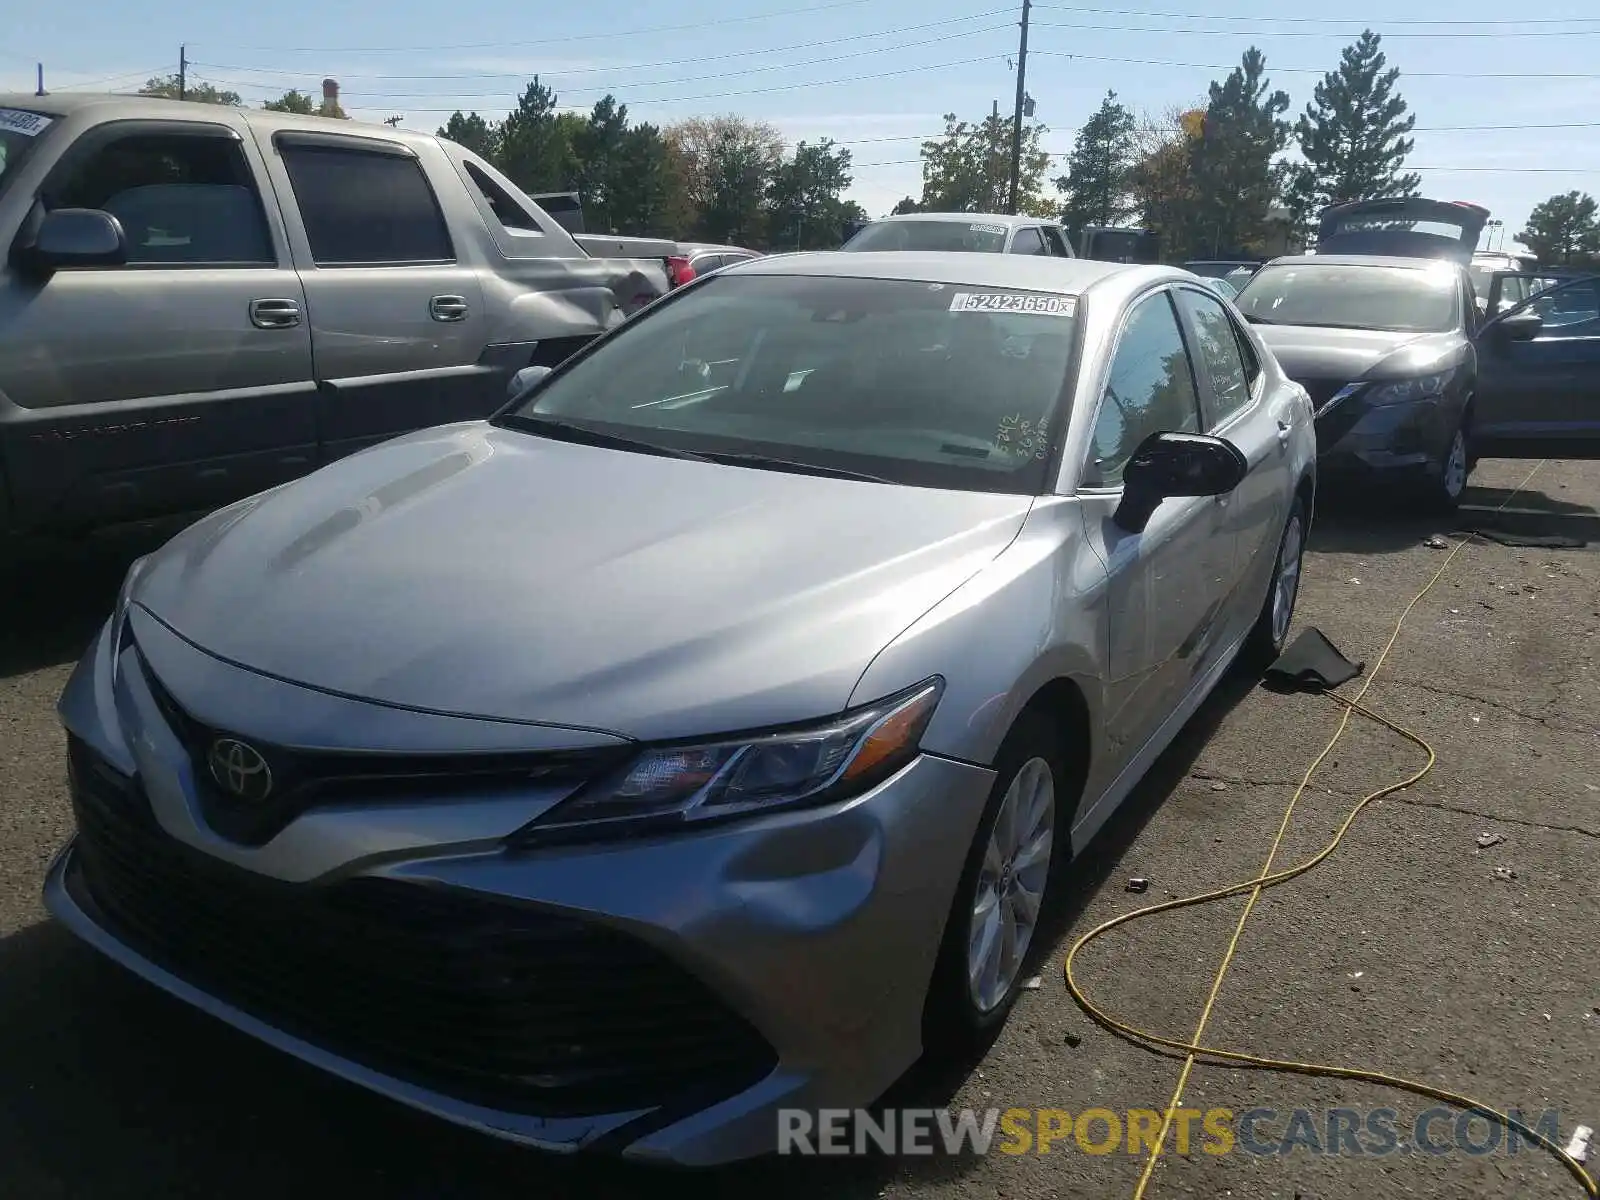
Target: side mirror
(77, 237)
(525, 380)
(1168, 465)
(1520, 327)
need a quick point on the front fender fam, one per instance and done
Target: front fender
(1032, 616)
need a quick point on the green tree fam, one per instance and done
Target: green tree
(968, 169)
(296, 101)
(1162, 181)
(806, 206)
(476, 133)
(908, 204)
(1236, 180)
(1563, 229)
(1098, 184)
(536, 150)
(598, 148)
(166, 88)
(1353, 134)
(649, 198)
(728, 164)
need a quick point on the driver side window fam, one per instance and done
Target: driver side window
(1149, 389)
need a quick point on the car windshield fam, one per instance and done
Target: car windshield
(1353, 296)
(978, 236)
(916, 383)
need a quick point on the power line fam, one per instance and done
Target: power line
(905, 162)
(789, 87)
(1160, 62)
(897, 31)
(1320, 33)
(1372, 22)
(612, 90)
(609, 35)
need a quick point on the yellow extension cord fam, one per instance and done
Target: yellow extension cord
(1194, 1049)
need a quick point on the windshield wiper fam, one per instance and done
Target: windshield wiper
(571, 431)
(1255, 320)
(788, 464)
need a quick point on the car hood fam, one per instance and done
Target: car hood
(1313, 352)
(479, 571)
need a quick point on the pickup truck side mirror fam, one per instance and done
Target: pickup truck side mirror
(1168, 465)
(525, 380)
(76, 237)
(1523, 326)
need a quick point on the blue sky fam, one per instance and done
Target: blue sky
(875, 75)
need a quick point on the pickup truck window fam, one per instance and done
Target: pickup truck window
(507, 211)
(181, 199)
(366, 209)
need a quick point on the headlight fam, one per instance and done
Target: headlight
(670, 786)
(1403, 391)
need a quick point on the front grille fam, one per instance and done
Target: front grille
(306, 779)
(492, 1002)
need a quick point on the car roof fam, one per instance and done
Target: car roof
(1066, 276)
(1005, 219)
(1358, 260)
(65, 104)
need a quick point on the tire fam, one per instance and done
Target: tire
(1269, 634)
(958, 1014)
(1442, 493)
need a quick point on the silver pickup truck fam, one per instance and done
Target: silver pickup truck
(200, 302)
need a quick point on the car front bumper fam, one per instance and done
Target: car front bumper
(811, 935)
(1357, 442)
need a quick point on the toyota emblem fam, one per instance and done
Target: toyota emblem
(239, 769)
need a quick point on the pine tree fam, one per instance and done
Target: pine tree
(1098, 183)
(1231, 163)
(1353, 135)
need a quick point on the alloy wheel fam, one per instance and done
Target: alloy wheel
(1010, 885)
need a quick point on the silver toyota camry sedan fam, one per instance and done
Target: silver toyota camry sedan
(700, 737)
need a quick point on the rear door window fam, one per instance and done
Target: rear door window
(364, 208)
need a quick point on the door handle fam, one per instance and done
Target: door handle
(448, 308)
(274, 314)
(1283, 433)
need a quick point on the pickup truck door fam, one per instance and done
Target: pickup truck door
(1545, 391)
(398, 328)
(179, 380)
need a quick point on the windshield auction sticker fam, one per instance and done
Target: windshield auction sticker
(14, 120)
(1014, 302)
(998, 230)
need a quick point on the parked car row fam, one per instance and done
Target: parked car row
(703, 735)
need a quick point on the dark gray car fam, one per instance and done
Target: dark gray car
(1410, 385)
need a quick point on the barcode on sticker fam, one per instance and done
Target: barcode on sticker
(998, 230)
(1014, 302)
(15, 120)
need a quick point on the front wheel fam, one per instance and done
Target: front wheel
(1271, 630)
(1443, 493)
(1001, 894)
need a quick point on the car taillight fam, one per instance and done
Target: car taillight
(680, 270)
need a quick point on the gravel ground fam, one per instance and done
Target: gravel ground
(1412, 950)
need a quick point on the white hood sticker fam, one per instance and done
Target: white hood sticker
(15, 120)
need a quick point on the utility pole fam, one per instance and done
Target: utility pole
(394, 122)
(1016, 117)
(183, 72)
(40, 70)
